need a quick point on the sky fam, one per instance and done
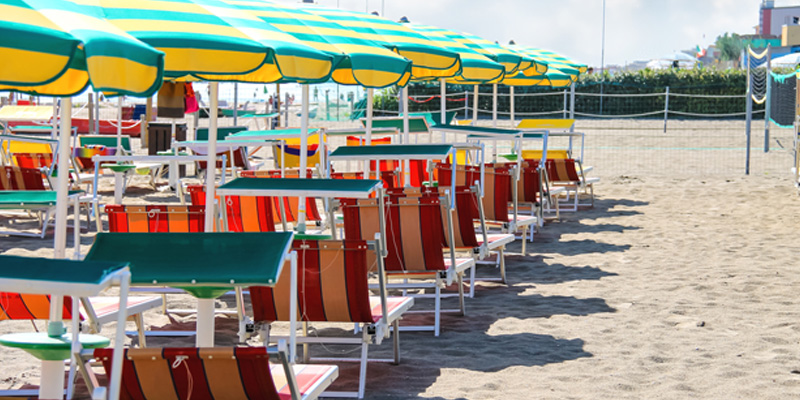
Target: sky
(635, 29)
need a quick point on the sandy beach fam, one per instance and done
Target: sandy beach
(671, 287)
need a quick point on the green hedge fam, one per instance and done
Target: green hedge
(696, 81)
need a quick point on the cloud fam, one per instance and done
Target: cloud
(635, 29)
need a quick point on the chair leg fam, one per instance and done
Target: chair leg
(396, 341)
(462, 305)
(437, 308)
(524, 239)
(307, 355)
(501, 255)
(139, 320)
(472, 281)
(362, 373)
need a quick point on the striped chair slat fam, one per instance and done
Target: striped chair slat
(199, 374)
(17, 178)
(333, 285)
(155, 218)
(244, 213)
(33, 160)
(291, 204)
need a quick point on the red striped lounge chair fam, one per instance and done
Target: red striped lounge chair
(216, 373)
(498, 193)
(243, 213)
(291, 204)
(414, 246)
(333, 287)
(465, 238)
(569, 174)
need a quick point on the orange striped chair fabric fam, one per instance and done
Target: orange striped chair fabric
(497, 187)
(207, 374)
(464, 235)
(414, 244)
(17, 178)
(333, 285)
(20, 306)
(562, 170)
(291, 204)
(244, 213)
(155, 218)
(33, 160)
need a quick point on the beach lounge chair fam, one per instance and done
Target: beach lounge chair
(155, 218)
(498, 191)
(291, 205)
(465, 238)
(333, 287)
(568, 173)
(414, 246)
(215, 373)
(28, 152)
(104, 145)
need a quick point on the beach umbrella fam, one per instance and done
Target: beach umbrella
(552, 59)
(428, 59)
(58, 48)
(357, 59)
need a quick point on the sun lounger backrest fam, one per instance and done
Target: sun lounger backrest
(464, 217)
(332, 285)
(562, 170)
(104, 140)
(222, 132)
(389, 178)
(155, 218)
(196, 373)
(383, 165)
(291, 204)
(244, 213)
(414, 235)
(20, 306)
(83, 155)
(497, 187)
(16, 178)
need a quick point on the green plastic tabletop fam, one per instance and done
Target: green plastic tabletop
(274, 134)
(47, 348)
(27, 198)
(479, 130)
(204, 264)
(392, 152)
(52, 276)
(312, 236)
(31, 128)
(295, 187)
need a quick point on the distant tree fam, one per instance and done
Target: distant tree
(730, 46)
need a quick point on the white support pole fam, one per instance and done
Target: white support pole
(301, 202)
(119, 125)
(666, 109)
(475, 105)
(572, 101)
(293, 279)
(494, 105)
(768, 96)
(749, 111)
(54, 121)
(205, 322)
(236, 104)
(62, 186)
(368, 136)
(211, 159)
(443, 106)
(406, 138)
(512, 105)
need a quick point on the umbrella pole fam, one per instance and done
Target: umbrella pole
(119, 125)
(513, 117)
(494, 105)
(62, 186)
(475, 106)
(301, 202)
(211, 157)
(443, 107)
(406, 138)
(368, 139)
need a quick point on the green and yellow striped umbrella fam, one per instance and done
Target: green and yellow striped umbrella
(552, 59)
(357, 59)
(59, 48)
(512, 61)
(216, 41)
(425, 55)
(552, 78)
(475, 67)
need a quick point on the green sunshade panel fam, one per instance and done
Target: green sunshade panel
(217, 41)
(55, 276)
(273, 134)
(357, 59)
(416, 124)
(295, 187)
(15, 198)
(429, 59)
(393, 152)
(478, 130)
(60, 47)
(196, 259)
(475, 67)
